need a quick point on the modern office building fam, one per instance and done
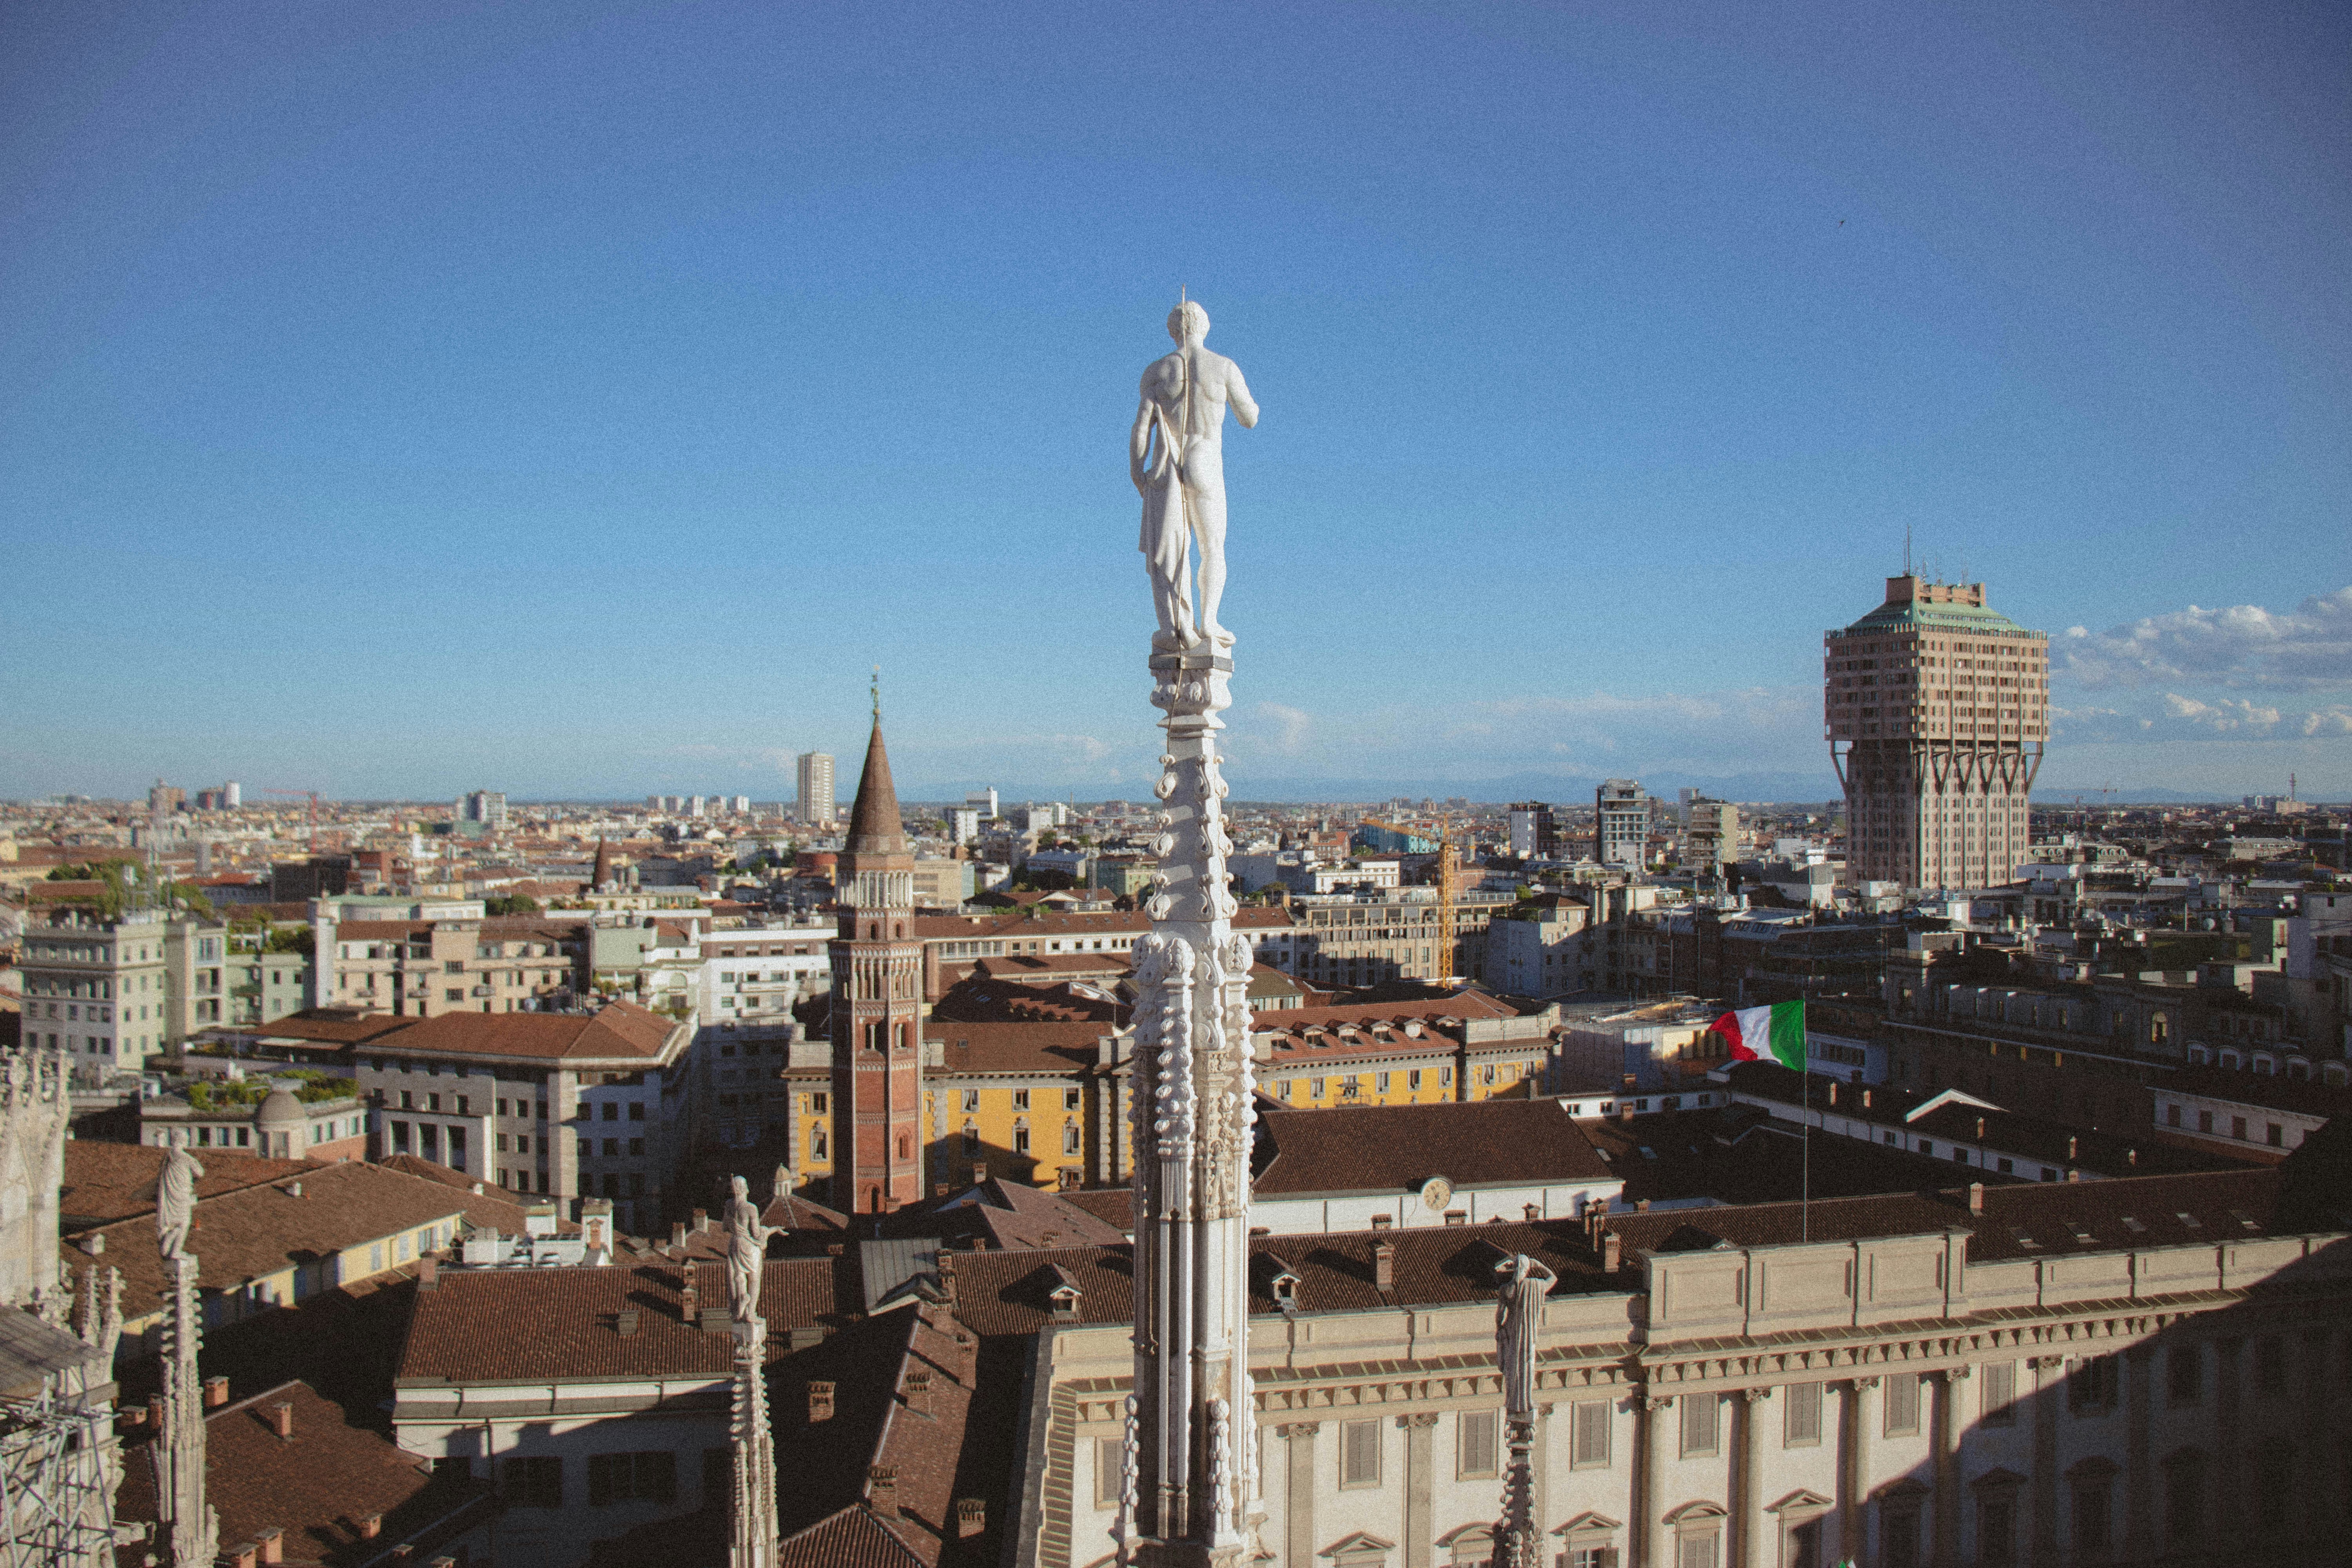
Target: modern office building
(1535, 831)
(487, 806)
(1710, 833)
(1620, 823)
(1937, 711)
(815, 784)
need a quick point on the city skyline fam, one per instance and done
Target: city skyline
(581, 366)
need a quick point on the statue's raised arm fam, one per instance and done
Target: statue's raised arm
(1175, 457)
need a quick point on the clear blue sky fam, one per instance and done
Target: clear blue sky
(577, 398)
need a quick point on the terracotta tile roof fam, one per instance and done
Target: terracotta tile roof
(2060, 1143)
(620, 1031)
(846, 1538)
(2226, 1206)
(1115, 1207)
(328, 1025)
(258, 1231)
(108, 1181)
(880, 1421)
(1010, 1215)
(533, 1324)
(1022, 924)
(2269, 1089)
(1025, 1047)
(380, 931)
(1461, 1004)
(1391, 1148)
(993, 1002)
(316, 1486)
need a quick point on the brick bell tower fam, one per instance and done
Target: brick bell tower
(877, 996)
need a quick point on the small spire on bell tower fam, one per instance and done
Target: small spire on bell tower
(878, 694)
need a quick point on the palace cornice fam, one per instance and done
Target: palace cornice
(1723, 1365)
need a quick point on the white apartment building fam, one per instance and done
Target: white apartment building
(815, 775)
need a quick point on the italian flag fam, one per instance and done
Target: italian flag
(1777, 1033)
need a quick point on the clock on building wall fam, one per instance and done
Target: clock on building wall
(1436, 1192)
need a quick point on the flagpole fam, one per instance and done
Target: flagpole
(1805, 1137)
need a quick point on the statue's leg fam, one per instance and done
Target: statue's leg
(1208, 509)
(1165, 550)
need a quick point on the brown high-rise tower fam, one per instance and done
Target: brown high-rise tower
(878, 1048)
(1937, 711)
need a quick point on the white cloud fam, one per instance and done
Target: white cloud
(2227, 715)
(2328, 722)
(2242, 645)
(1290, 724)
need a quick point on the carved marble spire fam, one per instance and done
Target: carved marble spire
(184, 1519)
(1195, 1450)
(751, 1525)
(1522, 1283)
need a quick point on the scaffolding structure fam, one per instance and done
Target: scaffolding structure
(55, 1497)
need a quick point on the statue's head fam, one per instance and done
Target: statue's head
(1188, 323)
(743, 1188)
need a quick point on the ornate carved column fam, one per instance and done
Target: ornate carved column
(1747, 1465)
(1193, 1114)
(182, 1515)
(1420, 1523)
(1946, 1445)
(751, 1512)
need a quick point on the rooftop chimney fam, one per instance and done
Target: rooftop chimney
(971, 1517)
(978, 1171)
(948, 1278)
(1612, 1252)
(243, 1555)
(1865, 1100)
(2072, 1143)
(626, 1323)
(1976, 1197)
(918, 1391)
(155, 1411)
(938, 1189)
(428, 1274)
(677, 1234)
(1833, 1092)
(281, 1418)
(293, 1190)
(1383, 1221)
(882, 1491)
(1384, 1266)
(820, 1402)
(371, 1526)
(94, 1244)
(272, 1542)
(215, 1393)
(701, 1221)
(1980, 1127)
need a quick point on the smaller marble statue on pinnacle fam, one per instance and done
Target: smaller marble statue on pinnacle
(747, 1252)
(175, 1200)
(1176, 457)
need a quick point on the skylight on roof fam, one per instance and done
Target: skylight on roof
(2133, 1226)
(2081, 1233)
(2024, 1238)
(2243, 1218)
(2190, 1220)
